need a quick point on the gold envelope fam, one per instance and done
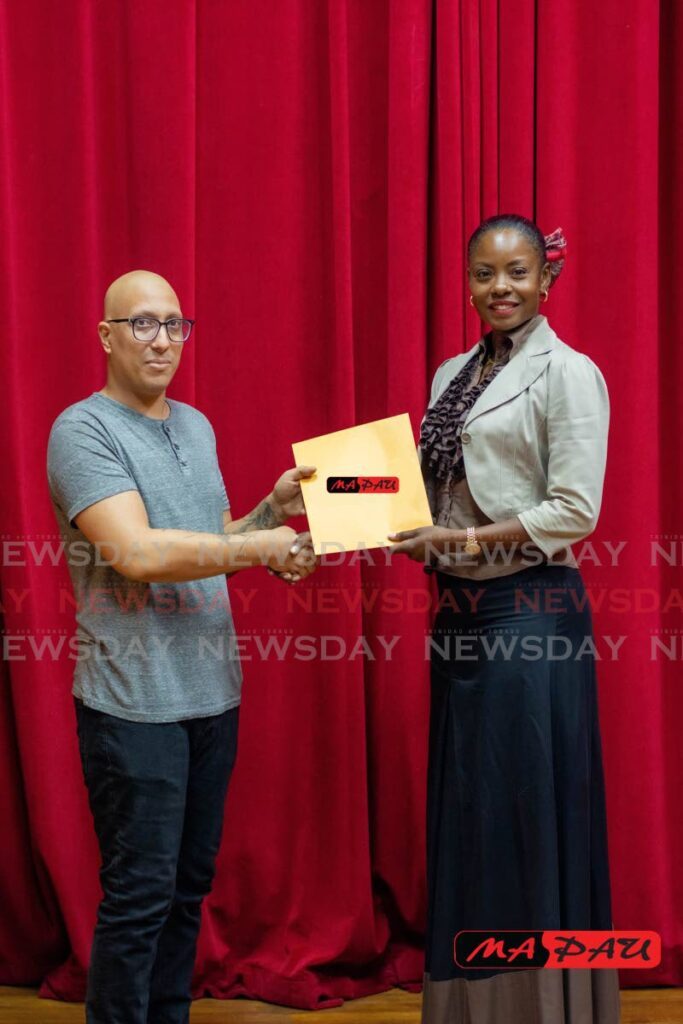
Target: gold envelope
(347, 520)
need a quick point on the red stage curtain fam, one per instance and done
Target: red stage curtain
(306, 174)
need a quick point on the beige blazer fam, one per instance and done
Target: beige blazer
(535, 442)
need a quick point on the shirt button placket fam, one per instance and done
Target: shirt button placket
(175, 446)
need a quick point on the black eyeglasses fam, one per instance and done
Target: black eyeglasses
(146, 328)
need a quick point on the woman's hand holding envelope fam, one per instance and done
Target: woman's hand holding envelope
(428, 543)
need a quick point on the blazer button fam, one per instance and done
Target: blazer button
(466, 438)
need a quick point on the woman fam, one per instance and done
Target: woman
(513, 450)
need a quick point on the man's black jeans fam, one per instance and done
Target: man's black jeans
(156, 793)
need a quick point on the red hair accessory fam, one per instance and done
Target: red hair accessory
(556, 252)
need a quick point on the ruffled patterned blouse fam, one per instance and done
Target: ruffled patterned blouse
(443, 424)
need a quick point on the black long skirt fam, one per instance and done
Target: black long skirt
(517, 836)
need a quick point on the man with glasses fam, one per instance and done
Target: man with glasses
(134, 477)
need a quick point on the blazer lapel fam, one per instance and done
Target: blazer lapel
(524, 367)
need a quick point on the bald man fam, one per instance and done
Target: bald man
(134, 478)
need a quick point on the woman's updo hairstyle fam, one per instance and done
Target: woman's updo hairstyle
(551, 249)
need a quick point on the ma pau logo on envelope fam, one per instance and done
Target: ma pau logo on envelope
(362, 485)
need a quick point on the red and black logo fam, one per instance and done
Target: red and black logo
(362, 485)
(512, 950)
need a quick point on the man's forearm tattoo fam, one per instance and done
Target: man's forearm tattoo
(261, 518)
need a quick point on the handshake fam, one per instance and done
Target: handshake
(290, 556)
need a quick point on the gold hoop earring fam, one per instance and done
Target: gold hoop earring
(544, 294)
(471, 300)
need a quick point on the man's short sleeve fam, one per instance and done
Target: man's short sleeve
(221, 482)
(226, 499)
(83, 467)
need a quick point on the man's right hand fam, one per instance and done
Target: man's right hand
(288, 554)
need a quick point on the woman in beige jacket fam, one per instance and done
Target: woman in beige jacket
(513, 449)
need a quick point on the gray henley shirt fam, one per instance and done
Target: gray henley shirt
(147, 652)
